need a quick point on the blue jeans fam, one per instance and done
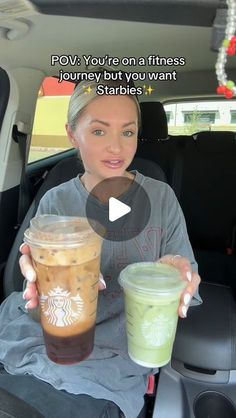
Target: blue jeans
(42, 400)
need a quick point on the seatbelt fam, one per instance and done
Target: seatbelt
(24, 187)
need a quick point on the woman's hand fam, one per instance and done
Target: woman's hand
(30, 293)
(193, 280)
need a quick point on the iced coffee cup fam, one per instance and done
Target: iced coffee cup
(66, 256)
(152, 295)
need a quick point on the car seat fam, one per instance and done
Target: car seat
(204, 354)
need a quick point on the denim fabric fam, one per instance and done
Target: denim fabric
(50, 402)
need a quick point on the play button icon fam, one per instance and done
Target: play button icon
(117, 209)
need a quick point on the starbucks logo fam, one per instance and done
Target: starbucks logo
(60, 308)
(158, 331)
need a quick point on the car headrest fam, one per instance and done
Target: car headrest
(216, 142)
(154, 122)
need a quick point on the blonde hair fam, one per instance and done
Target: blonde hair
(79, 99)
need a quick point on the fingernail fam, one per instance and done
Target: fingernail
(184, 311)
(27, 305)
(30, 275)
(187, 298)
(24, 293)
(21, 246)
(189, 276)
(101, 279)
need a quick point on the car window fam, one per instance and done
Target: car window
(49, 135)
(187, 118)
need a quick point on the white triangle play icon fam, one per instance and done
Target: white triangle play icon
(117, 209)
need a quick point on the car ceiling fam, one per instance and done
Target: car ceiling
(186, 12)
(48, 34)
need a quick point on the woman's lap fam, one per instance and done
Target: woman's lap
(53, 403)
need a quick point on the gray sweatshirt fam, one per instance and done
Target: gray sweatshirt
(108, 373)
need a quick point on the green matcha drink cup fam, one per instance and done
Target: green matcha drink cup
(152, 295)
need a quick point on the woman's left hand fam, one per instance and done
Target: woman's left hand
(192, 278)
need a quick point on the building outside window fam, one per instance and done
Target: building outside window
(49, 134)
(169, 115)
(201, 117)
(187, 118)
(233, 116)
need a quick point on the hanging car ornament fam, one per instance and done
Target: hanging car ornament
(228, 47)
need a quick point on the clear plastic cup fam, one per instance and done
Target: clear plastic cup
(152, 295)
(66, 257)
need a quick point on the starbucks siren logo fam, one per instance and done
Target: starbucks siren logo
(60, 308)
(158, 331)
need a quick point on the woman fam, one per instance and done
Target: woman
(105, 130)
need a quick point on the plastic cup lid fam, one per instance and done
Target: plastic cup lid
(59, 231)
(152, 278)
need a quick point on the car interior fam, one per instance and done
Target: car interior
(200, 166)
